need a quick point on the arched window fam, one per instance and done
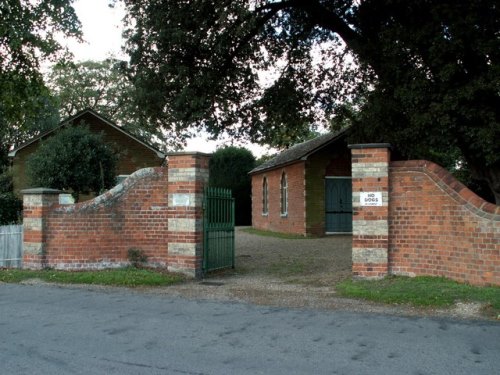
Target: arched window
(284, 195)
(265, 197)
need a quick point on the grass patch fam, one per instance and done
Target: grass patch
(266, 233)
(421, 291)
(128, 277)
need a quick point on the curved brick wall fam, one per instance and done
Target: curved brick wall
(157, 210)
(438, 227)
(99, 232)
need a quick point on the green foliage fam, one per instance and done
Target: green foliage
(420, 291)
(10, 208)
(229, 167)
(136, 257)
(127, 277)
(73, 159)
(28, 31)
(206, 70)
(437, 81)
(423, 75)
(104, 87)
(6, 183)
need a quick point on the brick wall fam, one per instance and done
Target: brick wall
(139, 213)
(370, 233)
(428, 222)
(294, 221)
(439, 227)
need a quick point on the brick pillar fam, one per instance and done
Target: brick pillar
(36, 204)
(370, 197)
(187, 177)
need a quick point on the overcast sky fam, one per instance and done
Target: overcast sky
(102, 28)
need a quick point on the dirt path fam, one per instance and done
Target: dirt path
(296, 273)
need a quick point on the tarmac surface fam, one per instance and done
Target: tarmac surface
(47, 329)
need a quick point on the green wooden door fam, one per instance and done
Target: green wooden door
(338, 205)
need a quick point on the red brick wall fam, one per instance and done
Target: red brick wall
(99, 232)
(439, 227)
(156, 210)
(294, 221)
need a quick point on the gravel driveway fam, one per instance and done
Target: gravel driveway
(298, 272)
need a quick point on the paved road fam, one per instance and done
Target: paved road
(51, 330)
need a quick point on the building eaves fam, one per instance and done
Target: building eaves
(70, 119)
(299, 152)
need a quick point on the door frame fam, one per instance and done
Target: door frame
(324, 206)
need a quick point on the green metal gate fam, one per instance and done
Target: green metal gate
(218, 229)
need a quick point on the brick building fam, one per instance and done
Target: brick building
(133, 153)
(306, 189)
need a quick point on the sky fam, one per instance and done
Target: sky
(102, 28)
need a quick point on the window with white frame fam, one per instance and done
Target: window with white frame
(265, 197)
(284, 194)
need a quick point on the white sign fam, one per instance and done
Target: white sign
(371, 199)
(66, 199)
(180, 200)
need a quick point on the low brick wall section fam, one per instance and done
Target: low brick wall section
(438, 227)
(98, 233)
(156, 210)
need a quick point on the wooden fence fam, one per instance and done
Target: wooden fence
(11, 246)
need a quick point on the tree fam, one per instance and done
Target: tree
(29, 33)
(98, 85)
(73, 159)
(424, 74)
(10, 205)
(104, 87)
(229, 167)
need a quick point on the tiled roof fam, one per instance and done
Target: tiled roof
(299, 151)
(78, 115)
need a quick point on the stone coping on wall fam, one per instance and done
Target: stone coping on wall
(357, 146)
(114, 193)
(41, 191)
(187, 153)
(447, 182)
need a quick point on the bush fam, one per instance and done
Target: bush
(137, 257)
(74, 159)
(229, 167)
(10, 208)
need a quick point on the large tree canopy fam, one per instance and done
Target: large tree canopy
(424, 74)
(29, 31)
(104, 87)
